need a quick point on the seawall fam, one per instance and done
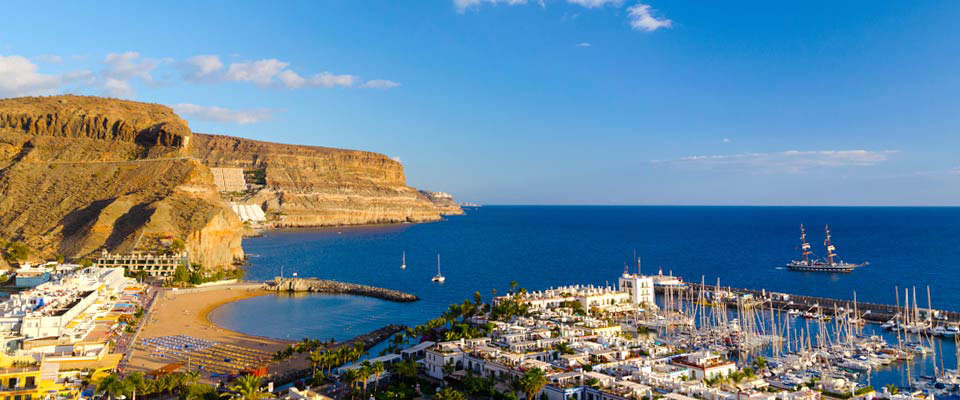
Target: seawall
(313, 285)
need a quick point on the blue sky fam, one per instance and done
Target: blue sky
(552, 102)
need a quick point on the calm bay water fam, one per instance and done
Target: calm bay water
(540, 247)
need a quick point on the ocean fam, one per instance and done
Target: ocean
(546, 246)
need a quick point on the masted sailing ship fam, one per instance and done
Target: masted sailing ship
(811, 263)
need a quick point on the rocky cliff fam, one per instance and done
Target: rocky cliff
(319, 186)
(80, 174)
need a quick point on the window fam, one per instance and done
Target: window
(31, 381)
(12, 383)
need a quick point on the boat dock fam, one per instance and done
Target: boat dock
(870, 312)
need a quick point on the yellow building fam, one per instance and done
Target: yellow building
(21, 378)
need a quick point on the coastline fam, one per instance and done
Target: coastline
(187, 312)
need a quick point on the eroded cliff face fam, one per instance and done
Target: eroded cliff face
(318, 186)
(80, 174)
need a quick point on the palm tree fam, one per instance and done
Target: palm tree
(316, 357)
(378, 369)
(135, 383)
(112, 385)
(533, 381)
(759, 363)
(563, 348)
(365, 371)
(516, 385)
(408, 369)
(513, 287)
(893, 389)
(248, 388)
(192, 376)
(449, 394)
(353, 377)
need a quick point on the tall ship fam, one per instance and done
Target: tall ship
(811, 263)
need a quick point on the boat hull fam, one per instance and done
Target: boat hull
(820, 268)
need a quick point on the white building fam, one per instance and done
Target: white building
(705, 365)
(640, 288)
(48, 309)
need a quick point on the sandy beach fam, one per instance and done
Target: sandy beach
(186, 311)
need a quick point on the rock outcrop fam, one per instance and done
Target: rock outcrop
(308, 186)
(80, 174)
(313, 285)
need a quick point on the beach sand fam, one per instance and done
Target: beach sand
(185, 312)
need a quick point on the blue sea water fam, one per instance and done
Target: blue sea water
(544, 246)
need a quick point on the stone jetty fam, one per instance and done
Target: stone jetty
(314, 285)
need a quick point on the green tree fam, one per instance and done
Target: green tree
(112, 385)
(533, 381)
(17, 251)
(377, 369)
(408, 370)
(365, 371)
(449, 393)
(177, 246)
(316, 358)
(563, 348)
(181, 274)
(135, 383)
(893, 389)
(247, 387)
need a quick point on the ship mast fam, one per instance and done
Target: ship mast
(804, 246)
(830, 247)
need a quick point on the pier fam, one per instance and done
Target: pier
(314, 285)
(870, 312)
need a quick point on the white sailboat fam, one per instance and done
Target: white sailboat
(438, 277)
(403, 264)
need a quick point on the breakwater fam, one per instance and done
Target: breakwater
(313, 285)
(870, 312)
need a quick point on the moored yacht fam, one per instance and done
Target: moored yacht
(439, 278)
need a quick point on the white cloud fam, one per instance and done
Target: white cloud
(397, 159)
(129, 65)
(260, 73)
(291, 79)
(596, 3)
(727, 140)
(19, 77)
(221, 114)
(50, 59)
(791, 161)
(584, 44)
(642, 18)
(201, 68)
(327, 79)
(955, 170)
(113, 87)
(269, 72)
(463, 5)
(379, 84)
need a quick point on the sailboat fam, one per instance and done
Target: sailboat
(439, 278)
(403, 264)
(816, 265)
